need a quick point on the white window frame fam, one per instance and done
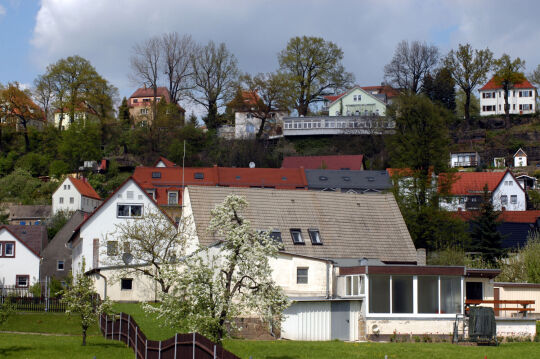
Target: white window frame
(306, 276)
(130, 205)
(361, 287)
(415, 313)
(169, 197)
(12, 245)
(58, 265)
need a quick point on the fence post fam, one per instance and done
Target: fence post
(120, 330)
(175, 341)
(214, 351)
(106, 325)
(129, 328)
(159, 353)
(136, 341)
(145, 348)
(193, 345)
(100, 320)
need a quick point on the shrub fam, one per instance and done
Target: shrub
(58, 168)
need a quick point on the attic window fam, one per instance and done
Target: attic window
(156, 174)
(315, 236)
(296, 235)
(323, 178)
(237, 177)
(346, 178)
(370, 179)
(345, 168)
(283, 178)
(198, 175)
(276, 236)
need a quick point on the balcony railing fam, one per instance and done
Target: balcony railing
(336, 125)
(466, 164)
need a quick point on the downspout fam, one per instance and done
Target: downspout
(327, 280)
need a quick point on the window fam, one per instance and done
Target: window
(71, 200)
(474, 290)
(9, 249)
(173, 197)
(129, 210)
(302, 275)
(112, 248)
(513, 199)
(323, 178)
(276, 236)
(65, 186)
(152, 193)
(126, 284)
(428, 294)
(296, 235)
(156, 174)
(22, 281)
(461, 200)
(402, 294)
(450, 295)
(61, 200)
(129, 195)
(346, 178)
(315, 236)
(198, 175)
(59, 265)
(504, 200)
(144, 111)
(379, 294)
(250, 128)
(353, 285)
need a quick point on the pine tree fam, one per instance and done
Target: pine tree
(485, 237)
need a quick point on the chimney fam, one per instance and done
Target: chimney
(421, 257)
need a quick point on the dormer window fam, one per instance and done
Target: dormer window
(315, 237)
(296, 235)
(156, 174)
(323, 178)
(346, 178)
(198, 175)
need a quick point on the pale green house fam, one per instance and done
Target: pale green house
(356, 102)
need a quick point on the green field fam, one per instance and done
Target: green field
(66, 343)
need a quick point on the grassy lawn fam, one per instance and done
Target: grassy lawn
(44, 347)
(58, 323)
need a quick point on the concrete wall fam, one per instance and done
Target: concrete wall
(414, 326)
(24, 262)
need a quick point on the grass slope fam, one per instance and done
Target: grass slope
(44, 347)
(58, 323)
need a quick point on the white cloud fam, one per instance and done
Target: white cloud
(2, 10)
(104, 31)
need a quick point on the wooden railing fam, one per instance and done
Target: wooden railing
(192, 345)
(500, 305)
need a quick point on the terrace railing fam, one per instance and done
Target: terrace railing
(192, 345)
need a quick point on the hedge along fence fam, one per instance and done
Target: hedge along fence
(182, 346)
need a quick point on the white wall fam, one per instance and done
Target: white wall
(513, 100)
(509, 187)
(25, 262)
(144, 288)
(89, 204)
(241, 123)
(463, 159)
(520, 161)
(102, 224)
(66, 191)
(307, 321)
(284, 274)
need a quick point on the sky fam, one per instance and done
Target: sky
(34, 34)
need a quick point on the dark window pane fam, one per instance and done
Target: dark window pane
(127, 283)
(474, 290)
(123, 210)
(136, 210)
(302, 275)
(156, 174)
(450, 295)
(402, 294)
(428, 294)
(315, 236)
(199, 175)
(379, 294)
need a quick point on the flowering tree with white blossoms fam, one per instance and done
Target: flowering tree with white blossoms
(153, 245)
(82, 300)
(226, 281)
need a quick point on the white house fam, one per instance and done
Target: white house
(466, 190)
(521, 99)
(356, 102)
(93, 237)
(464, 159)
(75, 194)
(520, 158)
(20, 249)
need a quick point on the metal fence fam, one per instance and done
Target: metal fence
(182, 346)
(35, 304)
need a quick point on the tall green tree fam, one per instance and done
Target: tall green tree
(485, 237)
(469, 68)
(474, 104)
(316, 70)
(440, 88)
(80, 142)
(507, 74)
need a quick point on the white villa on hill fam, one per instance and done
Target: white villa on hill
(521, 99)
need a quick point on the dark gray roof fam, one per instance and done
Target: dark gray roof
(348, 180)
(29, 212)
(35, 237)
(351, 225)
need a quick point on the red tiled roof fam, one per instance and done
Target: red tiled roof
(33, 237)
(332, 98)
(389, 91)
(84, 188)
(165, 161)
(467, 183)
(350, 162)
(492, 85)
(171, 178)
(149, 92)
(506, 216)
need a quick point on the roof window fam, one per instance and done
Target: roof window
(237, 177)
(296, 235)
(156, 174)
(283, 178)
(276, 236)
(346, 178)
(198, 175)
(370, 179)
(323, 178)
(315, 237)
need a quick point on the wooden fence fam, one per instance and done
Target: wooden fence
(35, 304)
(182, 346)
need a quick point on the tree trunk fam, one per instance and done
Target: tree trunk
(303, 108)
(84, 336)
(211, 121)
(26, 140)
(467, 106)
(261, 128)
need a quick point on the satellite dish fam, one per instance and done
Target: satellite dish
(127, 258)
(252, 165)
